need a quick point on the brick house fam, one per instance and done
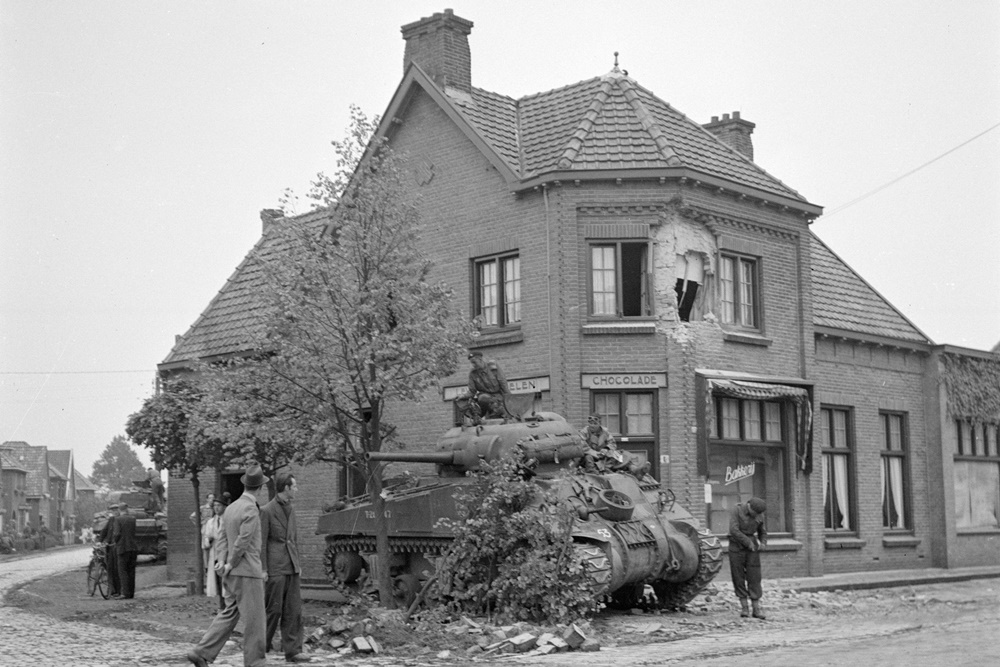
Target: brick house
(625, 260)
(37, 497)
(13, 497)
(62, 484)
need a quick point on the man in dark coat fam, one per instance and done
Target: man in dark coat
(279, 556)
(126, 549)
(747, 536)
(109, 535)
(487, 389)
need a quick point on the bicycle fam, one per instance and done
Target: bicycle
(97, 572)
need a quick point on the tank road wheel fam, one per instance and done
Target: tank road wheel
(675, 596)
(627, 597)
(405, 588)
(347, 566)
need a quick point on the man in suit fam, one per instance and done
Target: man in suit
(109, 535)
(126, 550)
(280, 559)
(238, 552)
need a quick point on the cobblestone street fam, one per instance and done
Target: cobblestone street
(931, 624)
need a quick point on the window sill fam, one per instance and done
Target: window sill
(890, 541)
(844, 543)
(773, 544)
(497, 338)
(977, 531)
(746, 338)
(618, 328)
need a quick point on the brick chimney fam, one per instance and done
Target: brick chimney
(734, 132)
(268, 216)
(439, 44)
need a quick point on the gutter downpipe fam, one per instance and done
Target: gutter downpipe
(548, 267)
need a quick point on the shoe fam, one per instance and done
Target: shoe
(744, 609)
(297, 657)
(757, 612)
(196, 659)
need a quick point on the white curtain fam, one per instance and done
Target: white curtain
(840, 479)
(896, 485)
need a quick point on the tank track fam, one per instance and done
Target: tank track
(433, 546)
(596, 564)
(675, 597)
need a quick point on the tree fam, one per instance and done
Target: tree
(173, 425)
(118, 466)
(354, 321)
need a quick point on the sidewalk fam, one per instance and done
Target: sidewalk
(884, 579)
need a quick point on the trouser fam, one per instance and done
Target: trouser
(284, 603)
(744, 566)
(111, 562)
(126, 573)
(244, 598)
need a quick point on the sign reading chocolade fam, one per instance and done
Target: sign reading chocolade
(623, 380)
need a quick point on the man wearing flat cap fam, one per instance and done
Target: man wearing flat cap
(109, 537)
(238, 553)
(487, 387)
(280, 559)
(747, 536)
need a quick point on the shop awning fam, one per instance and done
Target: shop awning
(762, 391)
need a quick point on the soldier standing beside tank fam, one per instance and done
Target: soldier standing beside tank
(747, 536)
(126, 550)
(109, 536)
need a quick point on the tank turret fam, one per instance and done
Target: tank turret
(628, 530)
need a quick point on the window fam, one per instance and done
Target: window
(838, 502)
(631, 417)
(738, 291)
(498, 290)
(977, 475)
(747, 458)
(894, 480)
(619, 280)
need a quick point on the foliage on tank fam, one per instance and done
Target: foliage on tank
(512, 557)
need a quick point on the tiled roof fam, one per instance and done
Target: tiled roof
(54, 473)
(62, 460)
(232, 322)
(34, 460)
(9, 462)
(83, 483)
(843, 300)
(604, 123)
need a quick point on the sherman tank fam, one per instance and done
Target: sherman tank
(628, 531)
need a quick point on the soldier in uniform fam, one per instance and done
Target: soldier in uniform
(487, 389)
(747, 536)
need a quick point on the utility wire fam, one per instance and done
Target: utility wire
(909, 173)
(149, 370)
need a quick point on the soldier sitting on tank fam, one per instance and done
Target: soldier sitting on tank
(602, 454)
(487, 390)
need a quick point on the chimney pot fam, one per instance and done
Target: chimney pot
(734, 132)
(439, 44)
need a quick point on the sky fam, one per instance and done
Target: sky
(140, 141)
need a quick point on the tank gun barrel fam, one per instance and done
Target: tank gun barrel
(441, 458)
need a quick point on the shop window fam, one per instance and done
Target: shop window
(630, 416)
(498, 290)
(738, 291)
(747, 458)
(838, 444)
(620, 280)
(895, 487)
(977, 476)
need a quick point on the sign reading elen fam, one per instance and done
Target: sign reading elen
(623, 380)
(522, 386)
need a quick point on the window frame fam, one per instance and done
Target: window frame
(503, 321)
(849, 452)
(902, 454)
(737, 320)
(645, 299)
(628, 440)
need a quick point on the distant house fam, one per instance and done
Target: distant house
(35, 462)
(62, 486)
(14, 506)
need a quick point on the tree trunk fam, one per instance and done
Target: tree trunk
(199, 555)
(383, 582)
